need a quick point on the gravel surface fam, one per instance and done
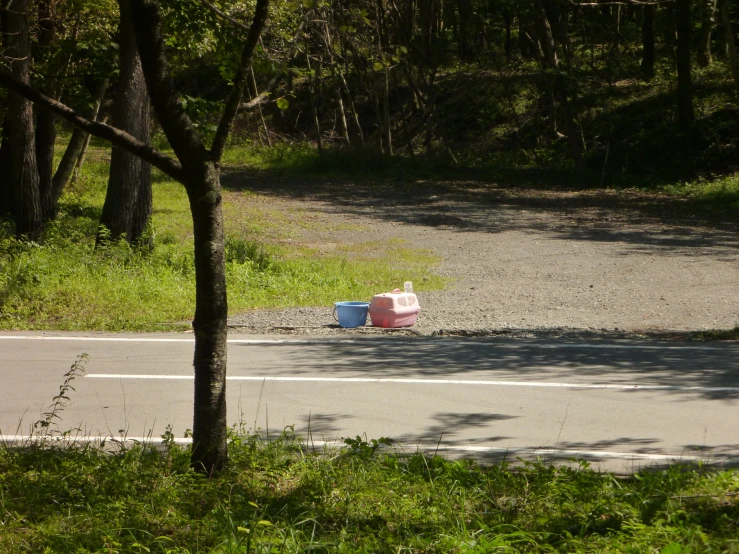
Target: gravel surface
(532, 262)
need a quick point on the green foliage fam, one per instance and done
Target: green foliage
(279, 496)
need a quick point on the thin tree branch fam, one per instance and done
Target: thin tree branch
(261, 98)
(624, 3)
(223, 15)
(119, 138)
(237, 92)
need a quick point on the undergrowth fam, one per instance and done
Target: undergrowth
(280, 496)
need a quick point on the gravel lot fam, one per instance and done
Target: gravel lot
(531, 261)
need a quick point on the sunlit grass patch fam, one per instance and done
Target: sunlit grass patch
(722, 192)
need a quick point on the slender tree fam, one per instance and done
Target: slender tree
(647, 36)
(96, 88)
(684, 81)
(703, 52)
(46, 120)
(729, 39)
(557, 81)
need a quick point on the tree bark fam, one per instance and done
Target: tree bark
(647, 37)
(22, 171)
(46, 120)
(76, 144)
(557, 81)
(127, 206)
(684, 84)
(6, 193)
(386, 114)
(703, 53)
(729, 39)
(465, 46)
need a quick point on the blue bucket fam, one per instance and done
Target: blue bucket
(351, 314)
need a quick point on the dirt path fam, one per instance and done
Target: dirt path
(534, 259)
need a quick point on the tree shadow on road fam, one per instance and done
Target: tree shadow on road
(684, 371)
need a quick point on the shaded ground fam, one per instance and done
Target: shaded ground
(526, 257)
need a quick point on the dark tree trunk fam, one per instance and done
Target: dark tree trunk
(526, 45)
(647, 37)
(6, 193)
(557, 81)
(127, 206)
(684, 84)
(466, 38)
(46, 120)
(22, 171)
(76, 144)
(45, 140)
(729, 39)
(703, 52)
(508, 45)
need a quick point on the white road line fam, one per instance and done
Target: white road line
(421, 382)
(369, 341)
(512, 453)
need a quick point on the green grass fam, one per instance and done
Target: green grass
(279, 496)
(722, 192)
(66, 283)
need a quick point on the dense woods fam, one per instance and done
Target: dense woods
(605, 93)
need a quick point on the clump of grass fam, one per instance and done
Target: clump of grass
(279, 496)
(721, 193)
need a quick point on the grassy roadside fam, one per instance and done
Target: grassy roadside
(281, 497)
(65, 283)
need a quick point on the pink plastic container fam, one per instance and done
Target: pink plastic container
(394, 309)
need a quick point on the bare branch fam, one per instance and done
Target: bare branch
(617, 3)
(114, 135)
(223, 15)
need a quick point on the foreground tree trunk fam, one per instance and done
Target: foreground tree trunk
(198, 170)
(202, 182)
(22, 173)
(128, 206)
(684, 83)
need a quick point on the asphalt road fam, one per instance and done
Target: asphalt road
(621, 405)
